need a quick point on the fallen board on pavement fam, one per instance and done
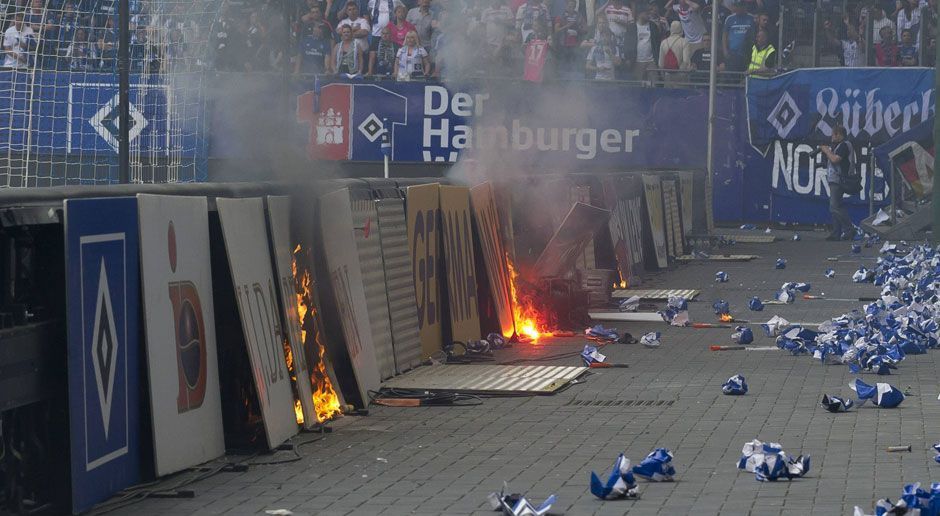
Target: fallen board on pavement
(750, 239)
(718, 258)
(626, 316)
(481, 379)
(657, 294)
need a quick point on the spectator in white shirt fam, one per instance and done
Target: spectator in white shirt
(15, 43)
(357, 24)
(879, 21)
(380, 13)
(497, 19)
(423, 20)
(909, 19)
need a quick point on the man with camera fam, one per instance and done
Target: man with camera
(842, 179)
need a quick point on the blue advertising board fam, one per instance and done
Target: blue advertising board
(77, 114)
(873, 104)
(103, 304)
(574, 125)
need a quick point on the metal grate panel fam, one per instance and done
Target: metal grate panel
(399, 283)
(657, 294)
(619, 403)
(752, 239)
(487, 378)
(369, 247)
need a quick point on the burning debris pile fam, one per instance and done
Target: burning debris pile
(325, 399)
(532, 317)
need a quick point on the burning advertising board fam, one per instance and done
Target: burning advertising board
(424, 240)
(246, 244)
(459, 263)
(342, 259)
(180, 328)
(483, 200)
(103, 346)
(279, 226)
(624, 199)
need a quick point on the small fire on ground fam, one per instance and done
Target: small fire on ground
(725, 317)
(325, 400)
(531, 321)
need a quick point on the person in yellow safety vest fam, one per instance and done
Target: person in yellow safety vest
(763, 56)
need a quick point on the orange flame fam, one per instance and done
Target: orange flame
(325, 400)
(725, 317)
(529, 323)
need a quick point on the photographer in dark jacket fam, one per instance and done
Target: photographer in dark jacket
(841, 158)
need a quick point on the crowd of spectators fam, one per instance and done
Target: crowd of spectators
(415, 39)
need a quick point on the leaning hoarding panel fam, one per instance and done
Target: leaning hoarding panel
(369, 246)
(342, 259)
(424, 240)
(674, 233)
(654, 210)
(103, 303)
(483, 199)
(459, 263)
(399, 283)
(279, 227)
(567, 245)
(249, 257)
(624, 199)
(180, 327)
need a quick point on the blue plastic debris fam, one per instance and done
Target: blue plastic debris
(836, 404)
(721, 307)
(881, 394)
(721, 277)
(830, 273)
(735, 386)
(514, 504)
(656, 467)
(856, 248)
(755, 304)
(914, 501)
(598, 332)
(769, 462)
(796, 237)
(748, 226)
(590, 355)
(742, 335)
(620, 483)
(781, 263)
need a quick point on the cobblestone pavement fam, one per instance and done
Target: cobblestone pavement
(446, 460)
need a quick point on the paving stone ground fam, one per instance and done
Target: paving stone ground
(445, 460)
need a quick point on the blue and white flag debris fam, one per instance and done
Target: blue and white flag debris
(800, 286)
(881, 394)
(755, 304)
(721, 307)
(856, 248)
(863, 275)
(785, 296)
(769, 462)
(735, 386)
(936, 448)
(796, 236)
(796, 339)
(914, 502)
(721, 277)
(742, 335)
(781, 263)
(676, 312)
(631, 304)
(620, 483)
(591, 355)
(651, 339)
(767, 231)
(835, 403)
(600, 333)
(774, 325)
(830, 273)
(748, 226)
(656, 467)
(515, 504)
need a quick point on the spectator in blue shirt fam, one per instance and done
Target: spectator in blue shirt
(314, 51)
(907, 51)
(738, 38)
